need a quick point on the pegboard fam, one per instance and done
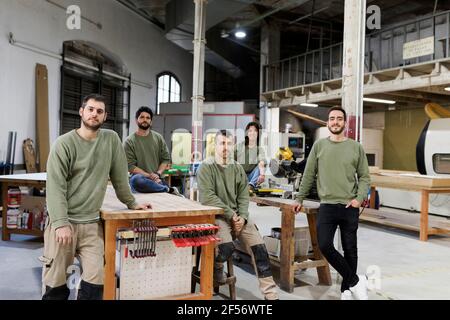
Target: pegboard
(167, 274)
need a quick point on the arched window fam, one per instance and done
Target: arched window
(169, 89)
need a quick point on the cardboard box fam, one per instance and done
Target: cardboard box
(302, 242)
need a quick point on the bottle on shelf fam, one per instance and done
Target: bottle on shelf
(11, 218)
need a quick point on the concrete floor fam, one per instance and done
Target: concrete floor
(410, 269)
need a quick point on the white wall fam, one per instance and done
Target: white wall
(140, 45)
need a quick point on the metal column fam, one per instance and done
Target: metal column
(353, 65)
(198, 80)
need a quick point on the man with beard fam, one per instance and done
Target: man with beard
(78, 168)
(343, 181)
(222, 183)
(148, 156)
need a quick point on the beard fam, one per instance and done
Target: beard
(143, 126)
(339, 129)
(92, 127)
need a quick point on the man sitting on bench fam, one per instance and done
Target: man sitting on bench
(222, 183)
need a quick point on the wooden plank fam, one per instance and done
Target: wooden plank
(207, 267)
(424, 216)
(287, 250)
(406, 221)
(401, 180)
(109, 292)
(164, 205)
(5, 233)
(310, 264)
(309, 207)
(42, 126)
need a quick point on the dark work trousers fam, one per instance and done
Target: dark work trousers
(329, 218)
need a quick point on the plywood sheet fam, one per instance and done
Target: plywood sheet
(42, 127)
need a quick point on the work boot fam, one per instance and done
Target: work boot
(268, 288)
(251, 190)
(174, 191)
(89, 291)
(219, 277)
(57, 293)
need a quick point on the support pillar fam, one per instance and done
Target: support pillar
(353, 66)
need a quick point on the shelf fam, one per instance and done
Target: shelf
(34, 232)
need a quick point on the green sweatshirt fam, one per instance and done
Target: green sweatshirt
(249, 158)
(224, 187)
(77, 177)
(146, 153)
(341, 169)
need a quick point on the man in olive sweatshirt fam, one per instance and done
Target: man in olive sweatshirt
(222, 183)
(343, 181)
(78, 168)
(147, 156)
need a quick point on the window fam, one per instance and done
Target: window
(169, 89)
(78, 81)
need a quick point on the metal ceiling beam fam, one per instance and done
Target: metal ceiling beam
(142, 14)
(271, 12)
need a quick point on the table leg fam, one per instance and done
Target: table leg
(287, 250)
(109, 292)
(206, 270)
(5, 234)
(323, 273)
(424, 216)
(373, 193)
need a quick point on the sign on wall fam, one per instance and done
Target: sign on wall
(418, 48)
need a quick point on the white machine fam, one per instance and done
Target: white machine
(433, 148)
(295, 142)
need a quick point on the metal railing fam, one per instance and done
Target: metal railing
(383, 50)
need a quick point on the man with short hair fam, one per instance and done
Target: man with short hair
(148, 156)
(343, 181)
(78, 168)
(222, 183)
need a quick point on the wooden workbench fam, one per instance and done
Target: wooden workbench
(287, 262)
(36, 180)
(411, 181)
(168, 210)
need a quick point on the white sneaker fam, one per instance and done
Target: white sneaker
(347, 295)
(176, 192)
(359, 290)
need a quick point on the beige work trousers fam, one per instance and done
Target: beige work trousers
(87, 245)
(248, 237)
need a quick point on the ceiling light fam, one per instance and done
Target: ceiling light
(309, 105)
(447, 89)
(379, 100)
(240, 34)
(224, 34)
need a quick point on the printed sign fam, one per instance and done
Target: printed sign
(418, 48)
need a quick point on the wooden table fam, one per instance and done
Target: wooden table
(287, 262)
(168, 210)
(37, 180)
(412, 182)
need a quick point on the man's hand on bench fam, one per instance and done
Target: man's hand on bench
(296, 208)
(142, 206)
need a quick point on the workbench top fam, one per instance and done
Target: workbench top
(309, 207)
(41, 176)
(408, 180)
(164, 205)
